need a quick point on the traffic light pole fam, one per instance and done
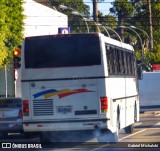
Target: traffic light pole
(6, 81)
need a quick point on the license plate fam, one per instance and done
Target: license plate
(64, 109)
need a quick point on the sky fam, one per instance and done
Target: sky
(103, 6)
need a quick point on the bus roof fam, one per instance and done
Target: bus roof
(117, 43)
(108, 40)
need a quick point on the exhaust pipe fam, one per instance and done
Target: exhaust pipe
(96, 126)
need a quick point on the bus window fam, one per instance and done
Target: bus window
(63, 52)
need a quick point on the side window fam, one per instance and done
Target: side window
(120, 61)
(123, 69)
(109, 59)
(130, 63)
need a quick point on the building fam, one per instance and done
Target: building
(42, 20)
(39, 20)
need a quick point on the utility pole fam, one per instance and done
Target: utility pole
(95, 11)
(150, 24)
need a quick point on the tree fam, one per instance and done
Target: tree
(3, 31)
(141, 20)
(123, 11)
(11, 27)
(77, 24)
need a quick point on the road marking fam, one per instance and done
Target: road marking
(132, 134)
(157, 125)
(137, 124)
(120, 139)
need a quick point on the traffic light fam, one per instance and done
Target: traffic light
(17, 58)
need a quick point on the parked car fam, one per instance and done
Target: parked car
(10, 116)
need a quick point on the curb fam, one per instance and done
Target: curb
(146, 113)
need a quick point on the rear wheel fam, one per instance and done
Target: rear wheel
(129, 129)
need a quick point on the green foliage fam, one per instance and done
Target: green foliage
(135, 13)
(11, 27)
(152, 57)
(122, 9)
(75, 22)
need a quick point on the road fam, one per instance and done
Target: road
(145, 136)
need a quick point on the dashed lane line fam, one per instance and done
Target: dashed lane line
(133, 134)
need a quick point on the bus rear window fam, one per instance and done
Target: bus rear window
(62, 51)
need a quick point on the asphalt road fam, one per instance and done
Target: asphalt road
(146, 136)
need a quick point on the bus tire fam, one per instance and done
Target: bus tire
(129, 129)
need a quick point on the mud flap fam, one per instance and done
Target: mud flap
(107, 137)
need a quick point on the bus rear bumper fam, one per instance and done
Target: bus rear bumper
(70, 125)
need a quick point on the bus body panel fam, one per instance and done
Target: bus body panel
(66, 98)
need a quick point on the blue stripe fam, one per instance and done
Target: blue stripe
(44, 92)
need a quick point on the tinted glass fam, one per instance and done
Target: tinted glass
(62, 51)
(10, 103)
(120, 61)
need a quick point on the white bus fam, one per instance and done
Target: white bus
(79, 82)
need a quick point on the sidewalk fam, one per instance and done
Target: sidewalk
(150, 113)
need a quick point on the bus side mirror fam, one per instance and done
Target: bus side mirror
(139, 73)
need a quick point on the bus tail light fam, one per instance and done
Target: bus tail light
(25, 108)
(104, 104)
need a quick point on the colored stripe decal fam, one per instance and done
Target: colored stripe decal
(62, 93)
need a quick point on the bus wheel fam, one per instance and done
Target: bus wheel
(129, 129)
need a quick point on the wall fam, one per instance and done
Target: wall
(39, 20)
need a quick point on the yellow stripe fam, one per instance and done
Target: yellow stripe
(46, 96)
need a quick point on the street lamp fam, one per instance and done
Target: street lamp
(149, 41)
(75, 13)
(94, 23)
(79, 14)
(142, 53)
(64, 7)
(104, 27)
(114, 32)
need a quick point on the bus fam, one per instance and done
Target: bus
(79, 82)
